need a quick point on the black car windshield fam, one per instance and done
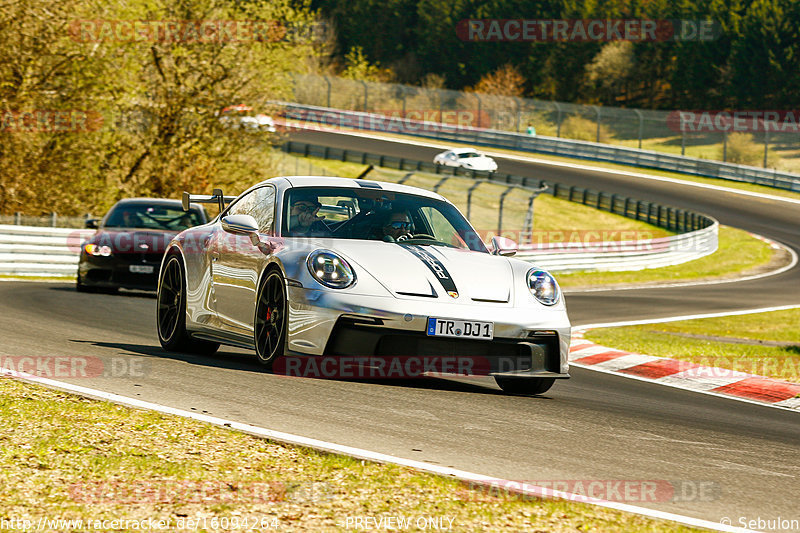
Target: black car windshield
(152, 216)
(464, 155)
(376, 214)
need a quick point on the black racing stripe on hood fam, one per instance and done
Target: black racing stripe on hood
(434, 265)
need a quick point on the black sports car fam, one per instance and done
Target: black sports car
(127, 249)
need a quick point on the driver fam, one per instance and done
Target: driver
(398, 227)
(303, 219)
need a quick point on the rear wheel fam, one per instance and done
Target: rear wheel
(171, 312)
(526, 386)
(271, 319)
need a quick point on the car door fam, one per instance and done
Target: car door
(236, 263)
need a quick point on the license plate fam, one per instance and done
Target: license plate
(142, 269)
(445, 327)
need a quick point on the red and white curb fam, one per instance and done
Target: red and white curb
(684, 374)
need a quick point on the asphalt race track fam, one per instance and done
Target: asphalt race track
(593, 427)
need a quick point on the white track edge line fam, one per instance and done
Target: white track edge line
(579, 166)
(359, 453)
(681, 387)
(583, 327)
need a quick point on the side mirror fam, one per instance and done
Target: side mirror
(240, 224)
(91, 223)
(503, 246)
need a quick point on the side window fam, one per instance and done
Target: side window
(264, 208)
(259, 204)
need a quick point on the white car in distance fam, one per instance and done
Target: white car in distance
(467, 158)
(242, 117)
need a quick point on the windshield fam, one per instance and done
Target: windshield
(375, 214)
(149, 216)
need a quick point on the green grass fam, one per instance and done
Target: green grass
(716, 342)
(738, 253)
(67, 457)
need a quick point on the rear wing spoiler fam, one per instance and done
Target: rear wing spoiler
(216, 198)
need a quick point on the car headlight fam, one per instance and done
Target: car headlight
(543, 286)
(95, 249)
(330, 269)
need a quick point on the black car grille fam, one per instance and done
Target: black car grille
(351, 338)
(149, 258)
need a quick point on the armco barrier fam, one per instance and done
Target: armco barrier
(40, 251)
(343, 119)
(697, 233)
(624, 255)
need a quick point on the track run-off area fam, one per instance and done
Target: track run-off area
(594, 426)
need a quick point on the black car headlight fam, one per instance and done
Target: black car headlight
(543, 286)
(330, 269)
(97, 250)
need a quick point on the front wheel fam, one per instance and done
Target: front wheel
(526, 386)
(171, 313)
(271, 319)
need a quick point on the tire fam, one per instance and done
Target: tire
(525, 386)
(80, 287)
(171, 312)
(269, 331)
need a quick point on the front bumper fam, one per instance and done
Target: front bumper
(111, 272)
(527, 342)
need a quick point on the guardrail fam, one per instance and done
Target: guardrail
(698, 233)
(40, 251)
(338, 118)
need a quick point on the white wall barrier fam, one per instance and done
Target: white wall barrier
(41, 251)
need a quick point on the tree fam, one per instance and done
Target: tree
(159, 97)
(505, 81)
(611, 70)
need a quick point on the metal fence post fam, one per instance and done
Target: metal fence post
(479, 109)
(528, 225)
(683, 141)
(597, 110)
(519, 113)
(641, 125)
(366, 90)
(558, 119)
(766, 144)
(17, 218)
(724, 146)
(500, 211)
(469, 197)
(328, 81)
(53, 219)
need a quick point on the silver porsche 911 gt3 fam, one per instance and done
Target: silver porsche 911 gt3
(333, 274)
